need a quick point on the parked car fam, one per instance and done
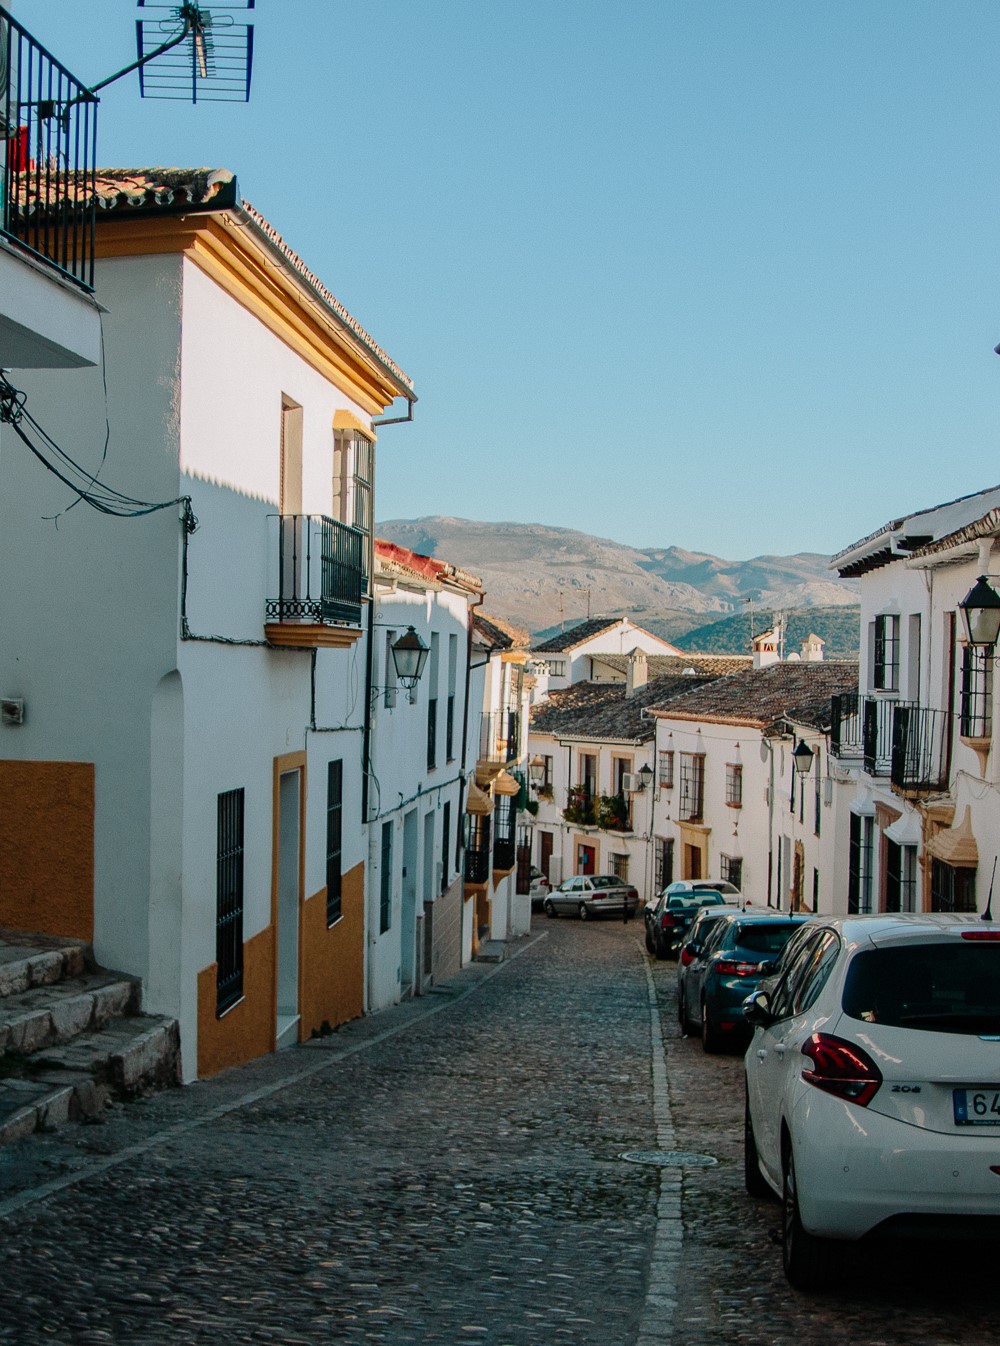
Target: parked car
(672, 918)
(538, 889)
(873, 1084)
(704, 922)
(736, 954)
(731, 893)
(587, 895)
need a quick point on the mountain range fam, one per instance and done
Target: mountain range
(541, 577)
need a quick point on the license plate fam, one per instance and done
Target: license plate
(977, 1107)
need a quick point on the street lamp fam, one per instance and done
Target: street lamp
(645, 775)
(409, 654)
(802, 757)
(536, 771)
(979, 611)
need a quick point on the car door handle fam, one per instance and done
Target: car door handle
(779, 1049)
(761, 1053)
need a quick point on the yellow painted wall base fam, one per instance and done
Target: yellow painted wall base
(47, 847)
(247, 1030)
(332, 989)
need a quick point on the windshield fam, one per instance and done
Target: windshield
(950, 987)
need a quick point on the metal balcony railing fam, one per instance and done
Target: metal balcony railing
(48, 153)
(499, 736)
(320, 569)
(505, 833)
(845, 725)
(920, 749)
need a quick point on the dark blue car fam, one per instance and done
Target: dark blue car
(739, 950)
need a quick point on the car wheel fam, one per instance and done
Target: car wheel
(650, 946)
(584, 913)
(711, 1041)
(550, 909)
(753, 1180)
(810, 1262)
(687, 1027)
(658, 949)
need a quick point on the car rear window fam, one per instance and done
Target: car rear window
(769, 938)
(941, 988)
(604, 881)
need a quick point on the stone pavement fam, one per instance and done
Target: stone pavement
(449, 1170)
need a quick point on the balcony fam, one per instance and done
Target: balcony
(478, 852)
(861, 730)
(48, 152)
(920, 750)
(581, 807)
(321, 581)
(845, 726)
(505, 833)
(499, 740)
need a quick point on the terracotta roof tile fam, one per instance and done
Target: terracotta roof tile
(601, 710)
(759, 696)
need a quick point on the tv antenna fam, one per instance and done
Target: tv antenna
(192, 52)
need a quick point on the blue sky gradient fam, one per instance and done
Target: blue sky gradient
(710, 273)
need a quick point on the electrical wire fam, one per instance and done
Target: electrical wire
(86, 487)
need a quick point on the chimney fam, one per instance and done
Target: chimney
(765, 649)
(637, 673)
(812, 649)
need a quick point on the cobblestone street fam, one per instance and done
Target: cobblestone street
(446, 1171)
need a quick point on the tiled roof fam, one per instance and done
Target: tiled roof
(662, 665)
(576, 635)
(759, 696)
(176, 190)
(500, 634)
(391, 555)
(914, 533)
(601, 710)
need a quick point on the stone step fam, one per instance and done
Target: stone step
(43, 1016)
(74, 1080)
(36, 960)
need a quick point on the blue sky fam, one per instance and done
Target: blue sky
(713, 273)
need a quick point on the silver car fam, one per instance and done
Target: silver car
(587, 895)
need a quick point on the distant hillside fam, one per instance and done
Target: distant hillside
(838, 627)
(541, 577)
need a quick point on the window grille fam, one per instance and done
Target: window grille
(619, 867)
(385, 881)
(732, 869)
(859, 870)
(885, 671)
(952, 889)
(664, 862)
(229, 899)
(692, 800)
(976, 692)
(432, 707)
(666, 770)
(445, 846)
(734, 785)
(334, 837)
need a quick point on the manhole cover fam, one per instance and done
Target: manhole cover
(670, 1158)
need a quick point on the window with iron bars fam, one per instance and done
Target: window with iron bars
(664, 862)
(229, 900)
(692, 801)
(334, 838)
(385, 881)
(734, 785)
(732, 869)
(666, 771)
(859, 867)
(952, 888)
(885, 665)
(975, 707)
(619, 866)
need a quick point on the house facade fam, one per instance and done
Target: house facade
(916, 741)
(183, 784)
(569, 657)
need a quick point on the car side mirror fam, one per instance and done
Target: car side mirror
(766, 969)
(757, 1009)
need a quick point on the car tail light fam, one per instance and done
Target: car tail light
(667, 921)
(981, 935)
(687, 957)
(841, 1068)
(728, 967)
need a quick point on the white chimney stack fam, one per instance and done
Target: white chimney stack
(637, 672)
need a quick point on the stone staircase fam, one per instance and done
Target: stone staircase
(72, 1036)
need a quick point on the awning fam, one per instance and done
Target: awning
(861, 805)
(505, 784)
(956, 846)
(478, 801)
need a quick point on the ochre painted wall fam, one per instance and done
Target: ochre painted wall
(247, 1030)
(332, 959)
(47, 847)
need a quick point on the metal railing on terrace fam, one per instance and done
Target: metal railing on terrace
(499, 736)
(48, 153)
(920, 749)
(505, 833)
(320, 568)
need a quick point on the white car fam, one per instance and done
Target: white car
(873, 1084)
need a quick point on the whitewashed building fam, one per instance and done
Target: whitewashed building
(182, 781)
(417, 918)
(570, 656)
(728, 803)
(917, 740)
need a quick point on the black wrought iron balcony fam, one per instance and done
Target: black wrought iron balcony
(477, 863)
(876, 733)
(499, 737)
(321, 578)
(505, 833)
(920, 749)
(48, 153)
(845, 725)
